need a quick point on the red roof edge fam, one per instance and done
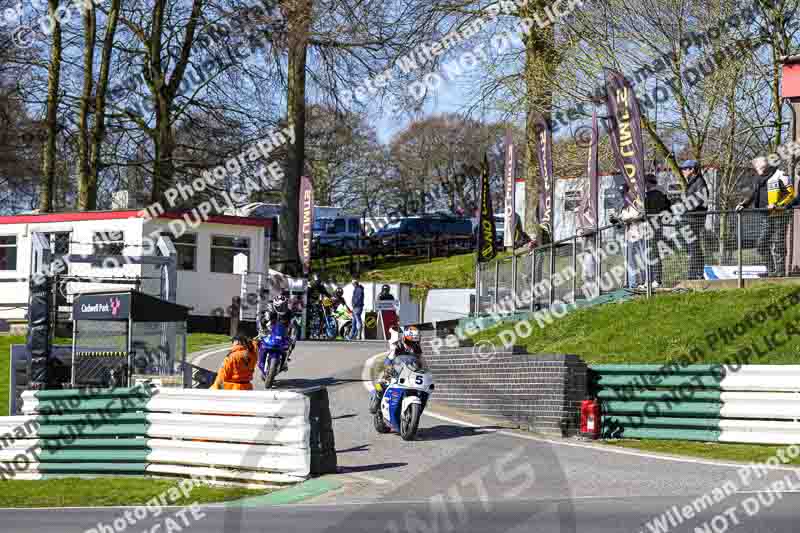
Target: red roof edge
(130, 213)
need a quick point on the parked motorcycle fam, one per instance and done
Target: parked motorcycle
(329, 324)
(344, 321)
(404, 399)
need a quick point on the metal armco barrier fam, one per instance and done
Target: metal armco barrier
(756, 404)
(261, 437)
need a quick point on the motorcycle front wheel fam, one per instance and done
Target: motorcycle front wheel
(409, 422)
(380, 425)
(272, 371)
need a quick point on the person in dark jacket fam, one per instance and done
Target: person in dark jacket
(385, 294)
(316, 290)
(696, 218)
(774, 192)
(655, 202)
(357, 302)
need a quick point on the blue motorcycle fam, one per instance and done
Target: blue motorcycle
(274, 350)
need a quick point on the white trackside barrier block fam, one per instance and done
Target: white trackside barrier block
(293, 431)
(243, 436)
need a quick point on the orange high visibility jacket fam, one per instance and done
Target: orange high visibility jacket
(237, 370)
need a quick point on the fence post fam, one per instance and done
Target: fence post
(496, 282)
(552, 268)
(514, 280)
(739, 246)
(625, 254)
(533, 279)
(598, 267)
(574, 267)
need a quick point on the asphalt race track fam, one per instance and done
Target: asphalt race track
(458, 477)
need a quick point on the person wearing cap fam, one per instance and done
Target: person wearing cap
(357, 302)
(775, 193)
(696, 186)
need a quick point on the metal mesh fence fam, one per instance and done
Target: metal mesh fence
(665, 251)
(505, 280)
(101, 353)
(524, 282)
(611, 256)
(156, 346)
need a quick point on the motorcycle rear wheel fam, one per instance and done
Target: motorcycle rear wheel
(380, 425)
(409, 422)
(272, 371)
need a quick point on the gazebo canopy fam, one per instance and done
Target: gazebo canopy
(126, 304)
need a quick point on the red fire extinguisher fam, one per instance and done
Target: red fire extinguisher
(590, 419)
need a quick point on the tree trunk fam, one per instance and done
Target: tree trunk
(51, 122)
(299, 16)
(100, 103)
(86, 200)
(541, 60)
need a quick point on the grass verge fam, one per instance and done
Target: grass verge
(109, 491)
(663, 328)
(720, 451)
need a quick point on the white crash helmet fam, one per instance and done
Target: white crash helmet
(411, 334)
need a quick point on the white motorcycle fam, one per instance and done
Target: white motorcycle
(405, 398)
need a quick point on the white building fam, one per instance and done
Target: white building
(205, 270)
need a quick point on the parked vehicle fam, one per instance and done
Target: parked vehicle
(342, 232)
(419, 229)
(405, 398)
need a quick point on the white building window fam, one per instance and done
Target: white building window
(105, 244)
(223, 250)
(8, 252)
(186, 246)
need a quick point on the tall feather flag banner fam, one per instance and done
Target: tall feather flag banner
(544, 146)
(588, 213)
(306, 222)
(510, 188)
(486, 230)
(625, 128)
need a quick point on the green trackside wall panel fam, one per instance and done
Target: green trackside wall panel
(86, 405)
(93, 468)
(68, 455)
(659, 401)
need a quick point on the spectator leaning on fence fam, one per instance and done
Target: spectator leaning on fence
(775, 192)
(634, 237)
(655, 202)
(696, 188)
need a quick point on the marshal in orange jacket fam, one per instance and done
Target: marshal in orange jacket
(237, 370)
